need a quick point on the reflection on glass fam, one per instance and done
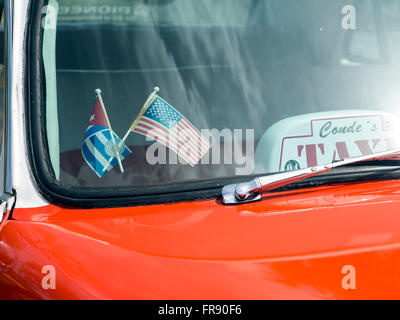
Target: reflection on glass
(233, 67)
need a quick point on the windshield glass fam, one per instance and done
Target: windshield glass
(243, 87)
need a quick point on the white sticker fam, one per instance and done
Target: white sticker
(323, 138)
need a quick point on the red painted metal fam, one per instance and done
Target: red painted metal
(291, 245)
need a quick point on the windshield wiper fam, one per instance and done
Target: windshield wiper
(251, 191)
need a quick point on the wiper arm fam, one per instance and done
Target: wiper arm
(251, 191)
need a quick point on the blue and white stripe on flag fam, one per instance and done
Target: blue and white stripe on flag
(98, 148)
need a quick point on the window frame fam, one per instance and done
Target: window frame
(8, 8)
(7, 194)
(4, 102)
(83, 197)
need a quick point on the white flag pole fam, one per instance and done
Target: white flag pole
(98, 92)
(132, 127)
(143, 110)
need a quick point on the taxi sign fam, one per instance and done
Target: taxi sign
(321, 138)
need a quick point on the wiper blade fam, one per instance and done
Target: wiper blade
(252, 191)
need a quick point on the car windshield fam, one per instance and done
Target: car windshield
(142, 93)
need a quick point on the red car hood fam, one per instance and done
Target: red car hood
(290, 245)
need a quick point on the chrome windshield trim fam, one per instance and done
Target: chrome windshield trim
(8, 40)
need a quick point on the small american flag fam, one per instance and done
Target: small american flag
(166, 125)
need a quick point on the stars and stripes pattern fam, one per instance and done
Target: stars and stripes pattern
(98, 147)
(166, 125)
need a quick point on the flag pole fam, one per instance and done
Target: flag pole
(137, 119)
(142, 111)
(98, 92)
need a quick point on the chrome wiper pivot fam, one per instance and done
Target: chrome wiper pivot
(251, 191)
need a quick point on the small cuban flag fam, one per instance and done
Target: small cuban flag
(98, 147)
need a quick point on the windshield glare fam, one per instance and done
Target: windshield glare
(143, 93)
